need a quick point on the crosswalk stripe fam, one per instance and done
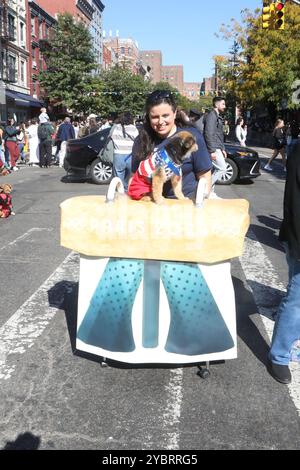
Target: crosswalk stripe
(261, 278)
(20, 332)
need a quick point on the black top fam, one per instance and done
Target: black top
(198, 162)
(290, 228)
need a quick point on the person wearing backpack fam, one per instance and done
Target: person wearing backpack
(123, 136)
(45, 131)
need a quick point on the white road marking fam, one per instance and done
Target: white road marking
(171, 416)
(24, 236)
(20, 332)
(261, 278)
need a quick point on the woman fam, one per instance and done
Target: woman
(161, 123)
(11, 132)
(279, 142)
(33, 140)
(123, 135)
(241, 132)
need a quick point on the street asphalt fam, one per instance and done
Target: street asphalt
(52, 398)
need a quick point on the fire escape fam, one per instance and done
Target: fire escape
(7, 34)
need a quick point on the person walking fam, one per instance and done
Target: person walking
(241, 132)
(226, 130)
(214, 138)
(287, 324)
(45, 131)
(64, 133)
(279, 142)
(123, 135)
(33, 142)
(11, 145)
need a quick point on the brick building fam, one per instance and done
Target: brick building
(152, 59)
(81, 10)
(192, 90)
(173, 74)
(39, 28)
(15, 99)
(125, 51)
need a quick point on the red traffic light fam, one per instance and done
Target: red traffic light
(279, 6)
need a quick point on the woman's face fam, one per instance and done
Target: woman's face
(162, 119)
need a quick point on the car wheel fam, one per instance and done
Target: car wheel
(101, 172)
(231, 173)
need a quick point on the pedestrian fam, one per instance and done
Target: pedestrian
(287, 324)
(76, 128)
(45, 131)
(161, 123)
(279, 143)
(214, 138)
(64, 133)
(21, 141)
(241, 132)
(292, 135)
(226, 130)
(123, 135)
(11, 145)
(33, 142)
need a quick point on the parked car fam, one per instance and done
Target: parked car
(84, 155)
(242, 163)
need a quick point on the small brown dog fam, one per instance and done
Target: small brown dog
(6, 201)
(163, 165)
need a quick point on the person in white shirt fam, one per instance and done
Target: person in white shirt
(241, 132)
(33, 142)
(123, 135)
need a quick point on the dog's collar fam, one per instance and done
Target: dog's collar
(168, 162)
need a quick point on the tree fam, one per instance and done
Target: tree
(268, 60)
(69, 58)
(122, 91)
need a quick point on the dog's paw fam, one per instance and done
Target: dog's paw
(160, 201)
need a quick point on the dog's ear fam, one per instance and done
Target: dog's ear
(188, 142)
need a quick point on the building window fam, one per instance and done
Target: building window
(47, 31)
(33, 53)
(22, 71)
(40, 30)
(32, 26)
(22, 35)
(122, 50)
(11, 68)
(11, 27)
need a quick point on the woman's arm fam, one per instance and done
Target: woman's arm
(207, 176)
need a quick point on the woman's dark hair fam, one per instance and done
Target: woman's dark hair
(125, 119)
(239, 121)
(147, 136)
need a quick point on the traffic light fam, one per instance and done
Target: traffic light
(279, 15)
(267, 15)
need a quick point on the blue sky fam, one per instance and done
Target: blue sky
(183, 31)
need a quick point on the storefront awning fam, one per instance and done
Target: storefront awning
(23, 100)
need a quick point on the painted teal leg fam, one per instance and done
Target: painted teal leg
(151, 303)
(197, 326)
(107, 323)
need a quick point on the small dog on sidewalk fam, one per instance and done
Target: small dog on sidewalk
(163, 165)
(6, 201)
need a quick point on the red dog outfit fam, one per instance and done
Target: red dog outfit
(141, 183)
(5, 204)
